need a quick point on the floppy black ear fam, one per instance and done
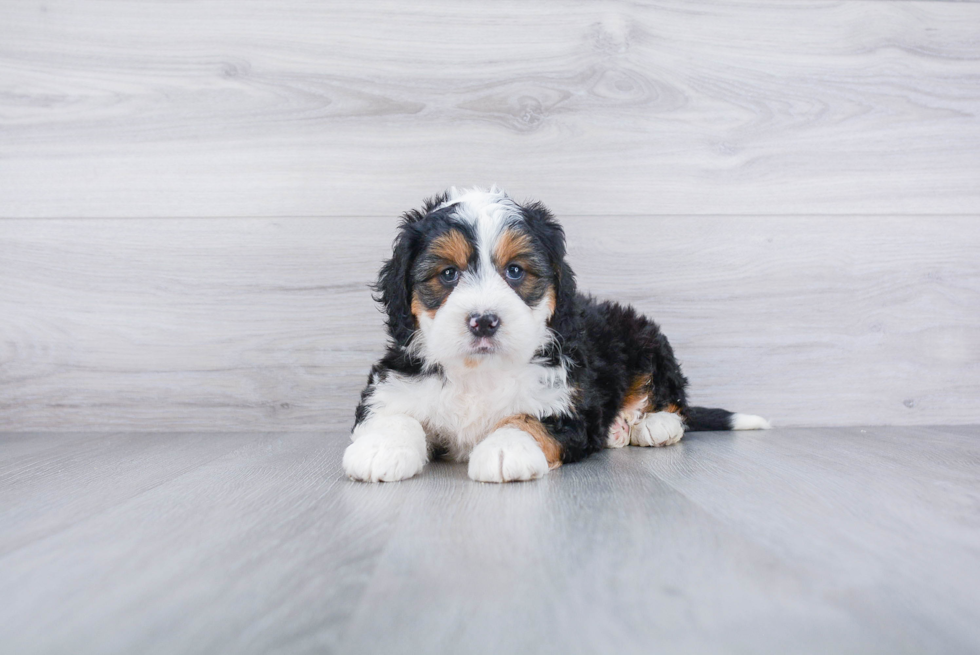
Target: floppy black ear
(563, 320)
(394, 286)
(551, 236)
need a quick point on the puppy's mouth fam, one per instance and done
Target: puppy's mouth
(483, 346)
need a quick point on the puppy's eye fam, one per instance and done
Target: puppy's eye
(449, 275)
(515, 273)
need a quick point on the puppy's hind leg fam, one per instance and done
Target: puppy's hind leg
(619, 432)
(662, 422)
(635, 404)
(657, 429)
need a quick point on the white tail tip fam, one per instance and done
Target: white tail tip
(749, 422)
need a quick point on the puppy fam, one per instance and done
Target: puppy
(494, 357)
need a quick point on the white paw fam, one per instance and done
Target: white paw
(386, 448)
(657, 429)
(508, 454)
(619, 433)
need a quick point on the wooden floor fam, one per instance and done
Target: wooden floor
(796, 540)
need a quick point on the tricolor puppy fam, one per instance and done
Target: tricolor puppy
(495, 359)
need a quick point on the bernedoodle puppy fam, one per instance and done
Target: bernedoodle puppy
(494, 357)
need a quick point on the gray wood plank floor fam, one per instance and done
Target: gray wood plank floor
(797, 540)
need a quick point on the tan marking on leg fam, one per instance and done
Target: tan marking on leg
(452, 247)
(548, 444)
(636, 403)
(637, 397)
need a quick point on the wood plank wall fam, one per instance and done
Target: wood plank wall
(194, 196)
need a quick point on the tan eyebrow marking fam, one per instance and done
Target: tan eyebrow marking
(511, 245)
(452, 247)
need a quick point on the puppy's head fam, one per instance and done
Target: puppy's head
(475, 280)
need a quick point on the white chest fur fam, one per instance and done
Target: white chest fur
(460, 408)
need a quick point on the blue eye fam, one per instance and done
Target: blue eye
(450, 275)
(514, 273)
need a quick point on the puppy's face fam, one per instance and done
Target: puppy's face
(481, 280)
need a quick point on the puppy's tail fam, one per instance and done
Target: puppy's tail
(709, 418)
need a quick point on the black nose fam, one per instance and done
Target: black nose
(483, 325)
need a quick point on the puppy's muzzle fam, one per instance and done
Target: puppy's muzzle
(483, 325)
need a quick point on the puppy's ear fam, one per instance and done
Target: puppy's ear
(551, 236)
(394, 287)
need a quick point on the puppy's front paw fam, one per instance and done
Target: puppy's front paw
(386, 449)
(657, 429)
(508, 454)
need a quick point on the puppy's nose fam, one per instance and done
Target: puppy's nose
(483, 325)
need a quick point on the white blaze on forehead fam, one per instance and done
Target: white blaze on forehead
(489, 212)
(475, 196)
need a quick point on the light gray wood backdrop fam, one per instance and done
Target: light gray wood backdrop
(195, 196)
